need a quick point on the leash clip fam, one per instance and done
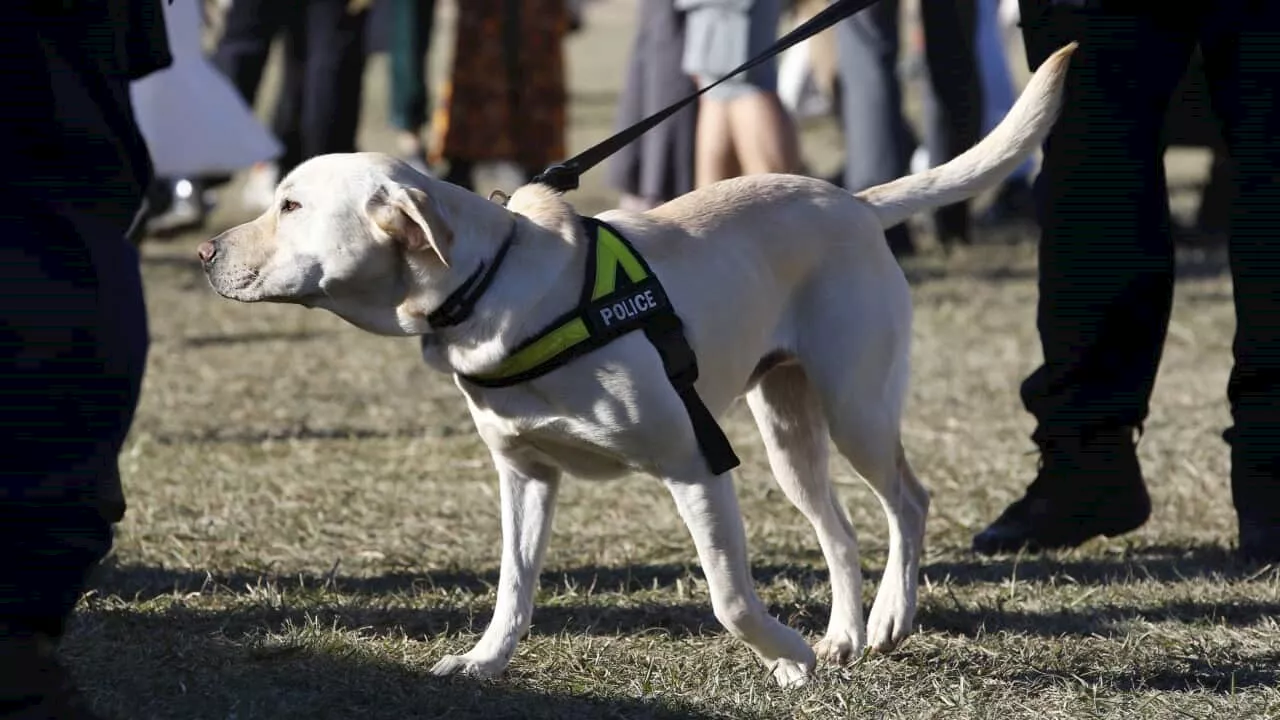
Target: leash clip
(561, 177)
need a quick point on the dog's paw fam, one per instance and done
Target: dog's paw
(792, 673)
(476, 667)
(839, 646)
(889, 624)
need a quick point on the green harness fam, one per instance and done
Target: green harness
(620, 295)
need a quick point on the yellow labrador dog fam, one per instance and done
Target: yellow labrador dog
(788, 293)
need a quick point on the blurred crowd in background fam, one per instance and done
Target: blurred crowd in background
(503, 101)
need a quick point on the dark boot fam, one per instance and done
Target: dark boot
(33, 684)
(1259, 539)
(1255, 467)
(1087, 486)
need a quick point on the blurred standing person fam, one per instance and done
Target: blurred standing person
(73, 323)
(505, 100)
(318, 110)
(878, 140)
(743, 129)
(412, 23)
(195, 123)
(658, 166)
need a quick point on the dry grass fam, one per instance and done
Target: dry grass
(312, 523)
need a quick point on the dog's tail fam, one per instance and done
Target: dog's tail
(980, 167)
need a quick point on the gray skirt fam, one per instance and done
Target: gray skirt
(720, 35)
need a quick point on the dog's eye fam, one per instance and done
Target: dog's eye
(288, 206)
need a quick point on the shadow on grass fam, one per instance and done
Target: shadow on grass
(145, 582)
(188, 664)
(1091, 620)
(1219, 672)
(675, 615)
(1158, 563)
(1193, 263)
(213, 661)
(257, 437)
(199, 341)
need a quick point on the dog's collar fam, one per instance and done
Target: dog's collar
(461, 303)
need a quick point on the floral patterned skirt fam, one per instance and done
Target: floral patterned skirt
(506, 96)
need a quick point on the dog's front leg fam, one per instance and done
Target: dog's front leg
(528, 503)
(709, 508)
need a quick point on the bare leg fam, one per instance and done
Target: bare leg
(715, 157)
(764, 134)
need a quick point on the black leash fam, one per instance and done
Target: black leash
(563, 177)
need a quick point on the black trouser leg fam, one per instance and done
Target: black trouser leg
(1106, 255)
(877, 140)
(286, 121)
(333, 78)
(1243, 67)
(242, 53)
(954, 105)
(251, 26)
(73, 347)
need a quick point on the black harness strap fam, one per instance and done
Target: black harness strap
(666, 332)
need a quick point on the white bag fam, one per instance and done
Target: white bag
(797, 89)
(191, 116)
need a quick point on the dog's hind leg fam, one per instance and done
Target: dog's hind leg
(859, 368)
(790, 418)
(869, 438)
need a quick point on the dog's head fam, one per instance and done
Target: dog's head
(350, 233)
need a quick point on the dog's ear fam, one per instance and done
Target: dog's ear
(410, 217)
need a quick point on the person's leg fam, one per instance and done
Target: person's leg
(1106, 276)
(715, 155)
(1244, 83)
(249, 28)
(877, 140)
(714, 39)
(954, 108)
(998, 93)
(742, 126)
(73, 335)
(764, 133)
(72, 354)
(332, 77)
(412, 23)
(1014, 200)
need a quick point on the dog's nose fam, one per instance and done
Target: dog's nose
(206, 251)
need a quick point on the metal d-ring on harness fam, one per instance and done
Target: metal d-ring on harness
(621, 294)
